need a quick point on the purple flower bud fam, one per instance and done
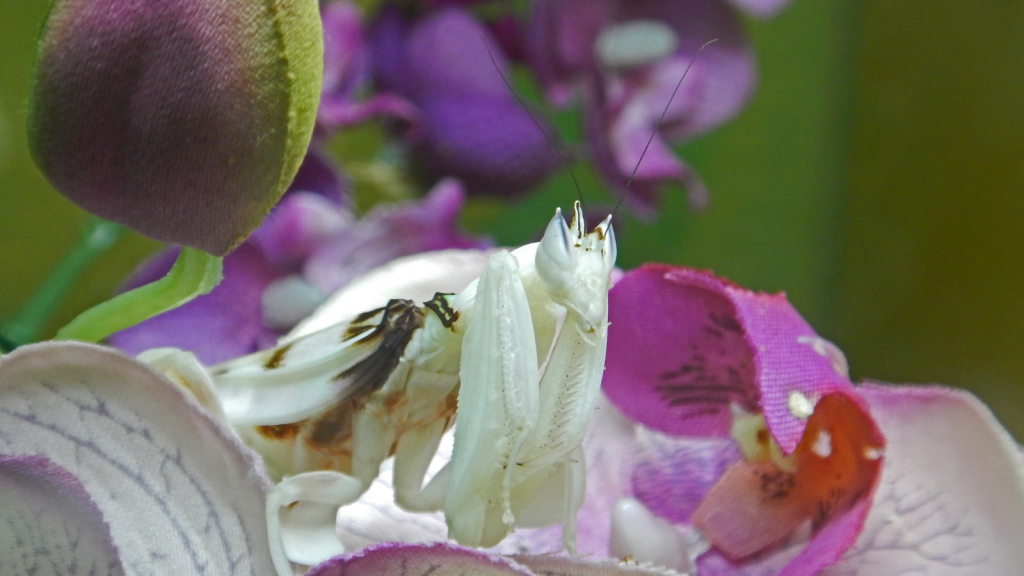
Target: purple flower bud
(182, 119)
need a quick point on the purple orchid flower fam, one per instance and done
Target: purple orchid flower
(472, 127)
(627, 58)
(310, 246)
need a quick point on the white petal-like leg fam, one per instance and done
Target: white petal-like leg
(301, 513)
(416, 448)
(373, 439)
(498, 405)
(575, 492)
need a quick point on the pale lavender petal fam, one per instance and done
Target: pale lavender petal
(951, 496)
(179, 491)
(391, 231)
(336, 114)
(50, 524)
(224, 324)
(560, 40)
(438, 559)
(300, 224)
(346, 60)
(672, 475)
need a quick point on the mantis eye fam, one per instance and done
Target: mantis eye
(556, 259)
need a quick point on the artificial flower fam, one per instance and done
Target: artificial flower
(184, 120)
(930, 480)
(310, 246)
(347, 75)
(472, 127)
(108, 467)
(627, 58)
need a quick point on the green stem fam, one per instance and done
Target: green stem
(194, 273)
(98, 236)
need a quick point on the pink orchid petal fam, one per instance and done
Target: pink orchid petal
(951, 495)
(682, 349)
(179, 491)
(50, 524)
(437, 559)
(757, 505)
(677, 354)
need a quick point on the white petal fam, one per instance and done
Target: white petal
(951, 497)
(179, 491)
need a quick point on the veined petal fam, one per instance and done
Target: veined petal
(951, 496)
(51, 525)
(179, 491)
(437, 559)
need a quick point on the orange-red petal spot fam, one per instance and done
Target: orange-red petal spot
(757, 505)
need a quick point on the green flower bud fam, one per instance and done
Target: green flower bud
(182, 119)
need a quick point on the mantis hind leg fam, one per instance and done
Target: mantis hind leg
(415, 451)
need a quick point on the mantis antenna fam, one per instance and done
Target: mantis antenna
(660, 120)
(537, 123)
(561, 156)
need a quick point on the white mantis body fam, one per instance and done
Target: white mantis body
(516, 357)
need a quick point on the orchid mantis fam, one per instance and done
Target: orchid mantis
(516, 358)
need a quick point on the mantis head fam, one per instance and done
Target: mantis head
(575, 266)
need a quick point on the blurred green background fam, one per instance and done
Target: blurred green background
(876, 177)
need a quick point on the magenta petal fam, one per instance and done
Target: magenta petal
(438, 559)
(224, 324)
(50, 524)
(677, 354)
(684, 345)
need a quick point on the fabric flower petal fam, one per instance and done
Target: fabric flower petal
(684, 345)
(437, 559)
(51, 525)
(179, 491)
(951, 495)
